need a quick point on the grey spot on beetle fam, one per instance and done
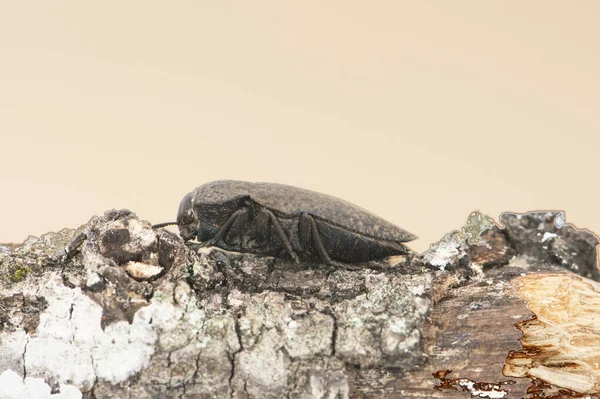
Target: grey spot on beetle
(280, 220)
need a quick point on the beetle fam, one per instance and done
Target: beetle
(277, 219)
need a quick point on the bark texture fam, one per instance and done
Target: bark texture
(115, 309)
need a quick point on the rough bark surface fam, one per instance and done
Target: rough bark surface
(115, 309)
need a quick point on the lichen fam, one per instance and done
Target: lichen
(475, 226)
(15, 386)
(476, 389)
(20, 274)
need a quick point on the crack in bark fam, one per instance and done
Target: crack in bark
(232, 356)
(197, 363)
(334, 334)
(294, 381)
(24, 365)
(92, 394)
(170, 383)
(329, 312)
(246, 388)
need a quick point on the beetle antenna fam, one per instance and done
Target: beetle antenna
(157, 226)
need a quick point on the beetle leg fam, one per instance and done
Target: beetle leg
(224, 229)
(309, 227)
(281, 234)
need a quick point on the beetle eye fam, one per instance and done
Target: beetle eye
(186, 211)
(187, 217)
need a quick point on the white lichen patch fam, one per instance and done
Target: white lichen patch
(262, 363)
(380, 327)
(13, 386)
(548, 235)
(447, 251)
(491, 391)
(12, 347)
(142, 232)
(559, 221)
(93, 279)
(278, 338)
(307, 337)
(70, 347)
(265, 365)
(142, 271)
(557, 349)
(335, 386)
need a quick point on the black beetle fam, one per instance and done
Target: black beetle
(274, 219)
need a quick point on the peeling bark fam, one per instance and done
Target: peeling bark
(116, 309)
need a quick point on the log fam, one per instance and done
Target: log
(115, 309)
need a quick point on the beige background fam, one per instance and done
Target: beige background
(418, 111)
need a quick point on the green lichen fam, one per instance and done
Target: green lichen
(475, 226)
(20, 274)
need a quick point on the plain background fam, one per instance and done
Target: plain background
(419, 111)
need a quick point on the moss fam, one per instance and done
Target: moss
(20, 274)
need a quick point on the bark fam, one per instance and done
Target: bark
(115, 309)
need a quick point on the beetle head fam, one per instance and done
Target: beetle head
(187, 219)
